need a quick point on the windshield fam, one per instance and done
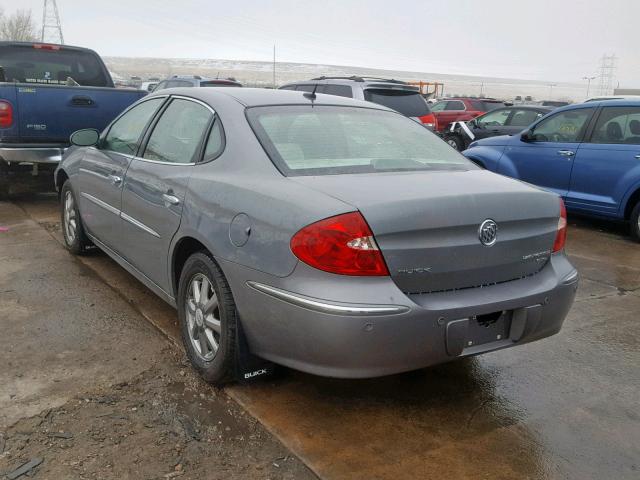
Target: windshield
(27, 64)
(329, 140)
(409, 103)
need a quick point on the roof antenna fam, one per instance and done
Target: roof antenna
(311, 95)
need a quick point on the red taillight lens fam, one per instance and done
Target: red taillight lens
(343, 244)
(429, 120)
(6, 114)
(46, 46)
(561, 236)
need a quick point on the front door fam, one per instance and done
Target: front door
(491, 124)
(155, 186)
(103, 168)
(546, 158)
(604, 161)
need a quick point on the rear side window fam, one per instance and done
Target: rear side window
(618, 125)
(408, 103)
(215, 142)
(178, 83)
(339, 90)
(26, 64)
(524, 118)
(177, 135)
(125, 133)
(455, 105)
(485, 106)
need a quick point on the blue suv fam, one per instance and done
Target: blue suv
(587, 153)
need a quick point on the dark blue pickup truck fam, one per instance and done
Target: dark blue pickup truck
(46, 93)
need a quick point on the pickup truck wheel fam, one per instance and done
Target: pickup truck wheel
(72, 229)
(455, 142)
(634, 221)
(208, 319)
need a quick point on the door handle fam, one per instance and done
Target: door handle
(637, 157)
(115, 179)
(170, 199)
(566, 153)
(82, 101)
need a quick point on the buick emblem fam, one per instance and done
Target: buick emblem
(488, 232)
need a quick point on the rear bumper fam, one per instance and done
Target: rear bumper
(32, 154)
(355, 339)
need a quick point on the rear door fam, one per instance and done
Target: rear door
(605, 161)
(546, 159)
(449, 111)
(103, 168)
(156, 183)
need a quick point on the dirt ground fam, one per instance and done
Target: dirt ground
(94, 391)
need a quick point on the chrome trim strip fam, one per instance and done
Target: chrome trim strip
(323, 306)
(100, 203)
(139, 224)
(177, 164)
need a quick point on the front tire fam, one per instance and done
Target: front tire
(208, 319)
(75, 239)
(634, 222)
(455, 142)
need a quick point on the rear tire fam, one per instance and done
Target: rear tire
(634, 222)
(75, 239)
(208, 319)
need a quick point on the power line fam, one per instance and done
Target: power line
(51, 27)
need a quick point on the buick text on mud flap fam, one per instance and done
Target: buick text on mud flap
(255, 373)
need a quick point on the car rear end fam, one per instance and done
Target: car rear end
(427, 263)
(404, 99)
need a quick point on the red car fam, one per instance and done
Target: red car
(461, 109)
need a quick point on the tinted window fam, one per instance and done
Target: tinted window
(178, 133)
(524, 118)
(494, 119)
(438, 107)
(217, 83)
(562, 127)
(215, 142)
(124, 134)
(161, 85)
(35, 65)
(618, 125)
(324, 140)
(339, 90)
(408, 103)
(307, 88)
(454, 105)
(288, 87)
(485, 106)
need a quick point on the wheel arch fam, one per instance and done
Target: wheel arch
(182, 250)
(633, 200)
(60, 177)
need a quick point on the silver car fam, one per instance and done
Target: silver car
(326, 234)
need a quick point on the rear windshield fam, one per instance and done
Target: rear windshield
(485, 106)
(408, 103)
(329, 140)
(36, 65)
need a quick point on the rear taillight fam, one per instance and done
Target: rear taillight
(429, 121)
(46, 46)
(6, 114)
(343, 244)
(561, 235)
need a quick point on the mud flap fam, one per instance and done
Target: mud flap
(249, 367)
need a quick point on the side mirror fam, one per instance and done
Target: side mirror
(86, 137)
(527, 136)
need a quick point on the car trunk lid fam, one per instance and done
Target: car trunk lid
(427, 225)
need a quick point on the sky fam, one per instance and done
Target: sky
(549, 40)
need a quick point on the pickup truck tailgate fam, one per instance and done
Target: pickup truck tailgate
(50, 113)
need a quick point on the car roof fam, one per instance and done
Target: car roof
(362, 81)
(254, 97)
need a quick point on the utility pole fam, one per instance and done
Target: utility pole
(274, 66)
(51, 27)
(588, 79)
(551, 85)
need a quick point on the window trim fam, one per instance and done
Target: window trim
(151, 128)
(105, 133)
(223, 146)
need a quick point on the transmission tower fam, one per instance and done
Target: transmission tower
(607, 73)
(51, 27)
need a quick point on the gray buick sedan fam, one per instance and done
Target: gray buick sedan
(318, 232)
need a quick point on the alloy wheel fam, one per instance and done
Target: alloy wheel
(203, 317)
(70, 220)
